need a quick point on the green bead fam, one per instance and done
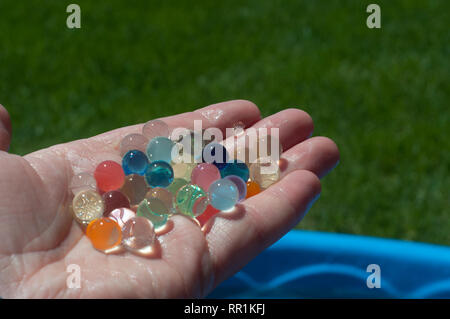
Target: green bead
(186, 198)
(176, 185)
(154, 210)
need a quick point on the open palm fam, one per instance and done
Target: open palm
(39, 239)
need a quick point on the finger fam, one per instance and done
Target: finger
(5, 129)
(318, 154)
(295, 126)
(84, 155)
(263, 219)
(220, 115)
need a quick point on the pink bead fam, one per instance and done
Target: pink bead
(133, 142)
(204, 174)
(82, 182)
(122, 215)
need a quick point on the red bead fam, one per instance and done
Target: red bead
(207, 215)
(113, 200)
(109, 176)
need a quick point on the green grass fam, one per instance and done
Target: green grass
(382, 95)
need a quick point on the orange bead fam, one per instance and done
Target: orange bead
(109, 176)
(104, 233)
(252, 189)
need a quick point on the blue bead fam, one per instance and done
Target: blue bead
(160, 149)
(223, 194)
(241, 185)
(236, 167)
(159, 174)
(216, 154)
(134, 162)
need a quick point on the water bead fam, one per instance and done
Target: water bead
(159, 174)
(237, 168)
(87, 206)
(186, 198)
(113, 200)
(183, 170)
(176, 185)
(155, 128)
(160, 149)
(238, 128)
(223, 194)
(146, 209)
(109, 176)
(252, 189)
(204, 174)
(138, 233)
(269, 146)
(104, 233)
(265, 172)
(134, 162)
(81, 182)
(240, 184)
(135, 188)
(121, 215)
(163, 195)
(133, 142)
(216, 154)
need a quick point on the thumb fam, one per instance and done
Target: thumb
(5, 129)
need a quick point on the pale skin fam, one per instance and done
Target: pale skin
(39, 238)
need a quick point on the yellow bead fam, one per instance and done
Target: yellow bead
(87, 205)
(265, 172)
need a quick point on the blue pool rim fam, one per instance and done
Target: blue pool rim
(308, 264)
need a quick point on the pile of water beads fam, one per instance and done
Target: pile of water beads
(126, 205)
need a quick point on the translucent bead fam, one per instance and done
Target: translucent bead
(238, 128)
(121, 215)
(138, 233)
(204, 174)
(113, 200)
(135, 188)
(216, 154)
(159, 174)
(134, 162)
(223, 194)
(150, 209)
(155, 128)
(252, 189)
(104, 233)
(163, 195)
(186, 198)
(133, 142)
(240, 184)
(160, 149)
(81, 182)
(109, 176)
(183, 170)
(176, 185)
(87, 206)
(265, 172)
(237, 168)
(193, 144)
(269, 147)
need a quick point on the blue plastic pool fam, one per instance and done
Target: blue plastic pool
(305, 264)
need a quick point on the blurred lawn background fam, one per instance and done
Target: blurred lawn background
(382, 95)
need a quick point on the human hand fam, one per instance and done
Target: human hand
(39, 238)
